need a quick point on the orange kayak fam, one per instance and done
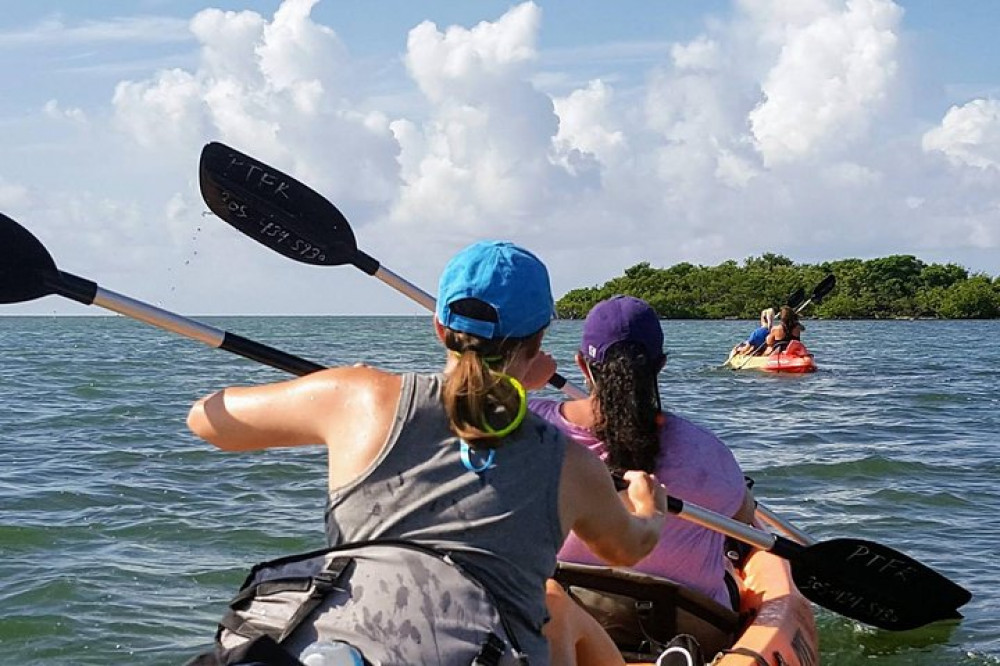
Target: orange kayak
(783, 628)
(775, 626)
(796, 358)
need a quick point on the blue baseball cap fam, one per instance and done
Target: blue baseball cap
(621, 319)
(513, 281)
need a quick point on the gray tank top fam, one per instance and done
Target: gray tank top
(502, 524)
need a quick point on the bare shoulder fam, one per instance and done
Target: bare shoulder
(353, 408)
(355, 383)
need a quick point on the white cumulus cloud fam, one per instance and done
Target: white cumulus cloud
(775, 127)
(278, 89)
(482, 162)
(832, 73)
(969, 134)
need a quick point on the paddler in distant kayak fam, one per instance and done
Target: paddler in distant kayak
(785, 331)
(455, 460)
(757, 341)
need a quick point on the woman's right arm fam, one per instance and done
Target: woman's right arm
(306, 410)
(589, 505)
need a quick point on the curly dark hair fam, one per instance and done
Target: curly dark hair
(627, 406)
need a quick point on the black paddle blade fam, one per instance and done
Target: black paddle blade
(24, 264)
(273, 208)
(875, 584)
(825, 286)
(795, 298)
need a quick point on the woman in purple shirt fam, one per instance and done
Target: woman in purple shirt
(621, 356)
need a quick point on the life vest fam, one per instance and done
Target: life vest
(790, 336)
(395, 602)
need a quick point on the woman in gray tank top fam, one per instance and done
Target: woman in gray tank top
(455, 460)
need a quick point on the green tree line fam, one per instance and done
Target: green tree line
(897, 286)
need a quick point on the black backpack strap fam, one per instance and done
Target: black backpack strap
(492, 651)
(234, 623)
(322, 584)
(262, 651)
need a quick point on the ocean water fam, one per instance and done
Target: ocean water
(122, 536)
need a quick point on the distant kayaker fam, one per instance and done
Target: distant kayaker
(784, 331)
(455, 460)
(757, 341)
(621, 355)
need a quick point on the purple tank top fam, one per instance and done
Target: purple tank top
(695, 466)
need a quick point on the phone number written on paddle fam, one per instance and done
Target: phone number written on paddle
(271, 232)
(849, 602)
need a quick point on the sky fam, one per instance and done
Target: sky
(597, 134)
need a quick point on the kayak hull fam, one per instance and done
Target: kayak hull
(782, 629)
(783, 623)
(775, 626)
(796, 359)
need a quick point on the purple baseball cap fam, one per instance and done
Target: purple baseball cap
(621, 319)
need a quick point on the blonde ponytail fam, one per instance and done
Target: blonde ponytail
(483, 404)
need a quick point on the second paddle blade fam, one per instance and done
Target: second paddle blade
(875, 584)
(273, 208)
(825, 286)
(25, 264)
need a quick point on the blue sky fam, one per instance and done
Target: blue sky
(597, 134)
